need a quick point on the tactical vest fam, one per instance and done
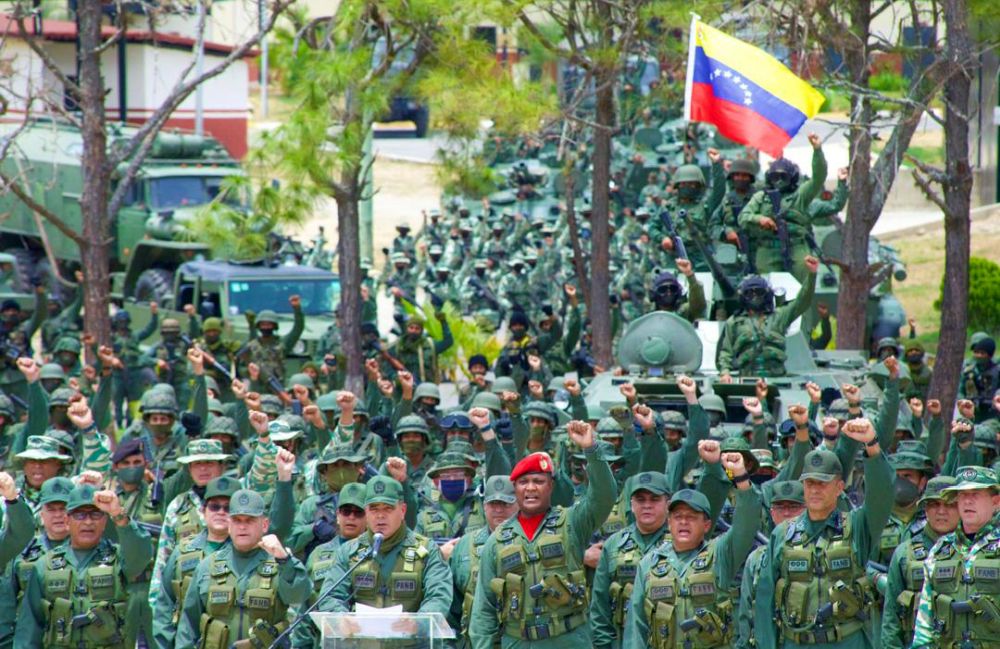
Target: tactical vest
(823, 591)
(406, 581)
(615, 522)
(269, 357)
(323, 558)
(189, 556)
(758, 348)
(913, 583)
(624, 566)
(30, 556)
(435, 524)
(966, 599)
(895, 533)
(542, 592)
(687, 610)
(235, 612)
(189, 521)
(140, 508)
(84, 610)
(468, 598)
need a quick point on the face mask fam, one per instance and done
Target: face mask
(412, 337)
(906, 493)
(412, 447)
(714, 419)
(784, 185)
(49, 385)
(480, 272)
(130, 475)
(742, 185)
(452, 490)
(914, 359)
(339, 476)
(67, 359)
(580, 472)
(169, 338)
(518, 334)
(982, 362)
(537, 432)
(211, 338)
(760, 478)
(689, 193)
(266, 333)
(59, 418)
(161, 430)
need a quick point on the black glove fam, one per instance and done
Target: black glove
(191, 423)
(323, 530)
(504, 429)
(382, 426)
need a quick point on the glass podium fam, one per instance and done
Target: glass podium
(382, 630)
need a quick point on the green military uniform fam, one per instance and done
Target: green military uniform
(813, 588)
(905, 576)
(269, 352)
(682, 599)
(920, 373)
(726, 218)
(238, 595)
(754, 345)
(691, 216)
(419, 354)
(442, 520)
(507, 606)
(794, 208)
(958, 604)
(79, 598)
(617, 567)
(173, 351)
(15, 538)
(222, 350)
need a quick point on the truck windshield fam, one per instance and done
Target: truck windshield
(183, 191)
(319, 296)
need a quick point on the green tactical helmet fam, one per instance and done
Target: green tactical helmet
(267, 315)
(688, 174)
(361, 408)
(52, 371)
(211, 384)
(412, 424)
(328, 402)
(7, 408)
(557, 383)
(170, 326)
(673, 420)
(215, 406)
(61, 397)
(487, 400)
(887, 342)
(270, 404)
(212, 324)
(913, 461)
(736, 444)
(741, 166)
(541, 410)
(67, 344)
(301, 379)
(427, 389)
(222, 426)
(839, 409)
(985, 435)
(712, 403)
(503, 384)
(158, 401)
(608, 427)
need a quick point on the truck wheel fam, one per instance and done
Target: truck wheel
(25, 269)
(153, 285)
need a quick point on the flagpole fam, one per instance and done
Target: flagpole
(689, 82)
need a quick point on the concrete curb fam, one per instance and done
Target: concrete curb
(976, 214)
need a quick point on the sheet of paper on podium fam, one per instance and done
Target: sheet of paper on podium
(377, 622)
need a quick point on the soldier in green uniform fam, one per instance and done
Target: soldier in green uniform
(981, 378)
(668, 295)
(905, 576)
(77, 594)
(920, 374)
(16, 534)
(813, 589)
(162, 439)
(681, 594)
(499, 505)
(316, 517)
(761, 219)
(408, 570)
(267, 351)
(63, 319)
(168, 359)
(125, 343)
(913, 470)
(690, 209)
(532, 583)
(40, 461)
(184, 560)
(221, 349)
(725, 224)
(648, 496)
(451, 508)
(53, 531)
(415, 442)
(66, 354)
(753, 341)
(958, 604)
(417, 353)
(244, 589)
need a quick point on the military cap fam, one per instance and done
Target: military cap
(736, 444)
(986, 345)
(903, 460)
(340, 452)
(765, 459)
(203, 450)
(127, 449)
(463, 448)
(539, 462)
(435, 249)
(499, 489)
(222, 426)
(789, 491)
(270, 404)
(41, 447)
(693, 499)
(222, 487)
(688, 174)
(81, 496)
(399, 258)
(267, 315)
(822, 465)
(170, 325)
(383, 489)
(480, 263)
(971, 478)
(352, 493)
(212, 324)
(61, 397)
(936, 488)
(245, 502)
(557, 383)
(519, 318)
(280, 431)
(449, 460)
(487, 400)
(301, 379)
(52, 371)
(55, 490)
(652, 481)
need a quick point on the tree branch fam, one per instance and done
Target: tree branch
(925, 186)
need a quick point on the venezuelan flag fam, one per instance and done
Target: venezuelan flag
(747, 93)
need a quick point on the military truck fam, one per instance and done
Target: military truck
(181, 173)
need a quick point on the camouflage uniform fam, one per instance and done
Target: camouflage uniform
(269, 353)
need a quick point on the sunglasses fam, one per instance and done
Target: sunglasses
(351, 512)
(82, 515)
(217, 507)
(456, 421)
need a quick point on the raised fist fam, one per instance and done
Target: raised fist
(710, 451)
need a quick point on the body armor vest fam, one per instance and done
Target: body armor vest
(475, 552)
(543, 591)
(235, 612)
(323, 558)
(687, 609)
(189, 556)
(759, 347)
(189, 522)
(434, 523)
(822, 592)
(913, 582)
(406, 581)
(615, 522)
(895, 533)
(623, 569)
(87, 609)
(966, 594)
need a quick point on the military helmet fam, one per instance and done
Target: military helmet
(121, 316)
(711, 402)
(67, 344)
(7, 407)
(839, 409)
(674, 420)
(270, 404)
(267, 315)
(52, 371)
(212, 324)
(427, 389)
(903, 460)
(667, 290)
(737, 444)
(170, 326)
(487, 400)
(301, 379)
(608, 427)
(887, 342)
(158, 401)
(557, 383)
(782, 167)
(741, 166)
(688, 174)
(503, 384)
(756, 294)
(215, 407)
(412, 424)
(541, 410)
(328, 401)
(361, 408)
(222, 426)
(61, 397)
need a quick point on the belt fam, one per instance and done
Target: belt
(826, 634)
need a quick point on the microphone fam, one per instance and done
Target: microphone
(377, 542)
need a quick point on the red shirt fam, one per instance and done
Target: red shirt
(530, 524)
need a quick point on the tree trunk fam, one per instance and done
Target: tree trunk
(579, 263)
(349, 267)
(600, 280)
(96, 176)
(957, 193)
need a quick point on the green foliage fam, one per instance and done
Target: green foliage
(834, 101)
(470, 338)
(984, 296)
(888, 82)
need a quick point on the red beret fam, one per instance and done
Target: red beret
(534, 463)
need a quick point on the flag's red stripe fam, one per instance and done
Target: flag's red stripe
(736, 122)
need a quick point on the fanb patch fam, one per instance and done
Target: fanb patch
(552, 551)
(405, 585)
(989, 574)
(102, 581)
(843, 563)
(259, 602)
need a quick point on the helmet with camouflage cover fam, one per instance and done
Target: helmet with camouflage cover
(61, 397)
(170, 326)
(328, 402)
(908, 460)
(361, 409)
(271, 405)
(267, 315)
(52, 371)
(688, 174)
(158, 402)
(212, 324)
(674, 420)
(541, 410)
(839, 409)
(608, 427)
(450, 460)
(463, 448)
(215, 407)
(487, 400)
(7, 408)
(222, 426)
(741, 166)
(412, 424)
(427, 389)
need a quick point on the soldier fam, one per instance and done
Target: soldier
(254, 571)
(690, 209)
(41, 461)
(167, 359)
(54, 530)
(740, 177)
(913, 470)
(267, 351)
(417, 353)
(753, 341)
(162, 440)
(905, 576)
(531, 583)
(77, 596)
(184, 560)
(784, 205)
(616, 570)
(920, 374)
(136, 378)
(66, 354)
(668, 294)
(63, 319)
(823, 552)
(408, 570)
(316, 517)
(404, 241)
(451, 508)
(15, 536)
(681, 593)
(958, 602)
(981, 378)
(223, 351)
(414, 442)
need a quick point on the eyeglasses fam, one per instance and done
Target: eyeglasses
(217, 507)
(351, 512)
(84, 514)
(456, 421)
